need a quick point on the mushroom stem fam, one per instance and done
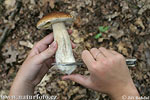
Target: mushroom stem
(64, 52)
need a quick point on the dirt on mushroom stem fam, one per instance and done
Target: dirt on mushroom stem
(64, 52)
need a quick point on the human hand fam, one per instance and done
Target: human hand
(35, 66)
(108, 73)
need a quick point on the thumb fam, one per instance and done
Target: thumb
(83, 80)
(46, 54)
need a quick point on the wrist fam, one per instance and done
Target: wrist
(124, 92)
(21, 88)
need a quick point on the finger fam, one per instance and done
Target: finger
(97, 54)
(70, 31)
(88, 58)
(49, 52)
(83, 80)
(114, 52)
(73, 45)
(41, 74)
(44, 70)
(41, 45)
(106, 52)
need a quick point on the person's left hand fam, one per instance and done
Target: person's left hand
(35, 66)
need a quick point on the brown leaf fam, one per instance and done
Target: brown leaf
(52, 3)
(139, 22)
(32, 2)
(12, 53)
(77, 38)
(133, 28)
(77, 22)
(124, 6)
(44, 1)
(144, 7)
(114, 15)
(26, 44)
(10, 3)
(122, 49)
(11, 71)
(115, 33)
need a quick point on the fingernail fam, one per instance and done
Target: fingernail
(70, 31)
(53, 45)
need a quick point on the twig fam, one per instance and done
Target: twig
(4, 34)
(7, 29)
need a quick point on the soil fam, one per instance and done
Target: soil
(128, 33)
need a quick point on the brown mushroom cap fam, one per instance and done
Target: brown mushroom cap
(52, 18)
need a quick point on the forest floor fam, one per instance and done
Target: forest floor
(127, 30)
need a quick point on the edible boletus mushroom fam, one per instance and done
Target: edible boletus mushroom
(57, 21)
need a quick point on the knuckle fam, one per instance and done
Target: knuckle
(101, 48)
(93, 49)
(105, 62)
(121, 57)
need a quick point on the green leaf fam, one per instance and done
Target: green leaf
(98, 35)
(103, 29)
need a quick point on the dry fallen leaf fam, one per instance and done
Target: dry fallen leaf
(77, 22)
(10, 3)
(76, 90)
(139, 22)
(77, 38)
(114, 15)
(10, 6)
(42, 84)
(26, 44)
(133, 28)
(122, 49)
(32, 2)
(145, 7)
(51, 3)
(124, 6)
(88, 45)
(62, 84)
(12, 54)
(11, 71)
(115, 33)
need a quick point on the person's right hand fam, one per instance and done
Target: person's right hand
(108, 73)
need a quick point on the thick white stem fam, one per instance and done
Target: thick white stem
(64, 52)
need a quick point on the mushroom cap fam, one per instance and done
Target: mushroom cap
(55, 17)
